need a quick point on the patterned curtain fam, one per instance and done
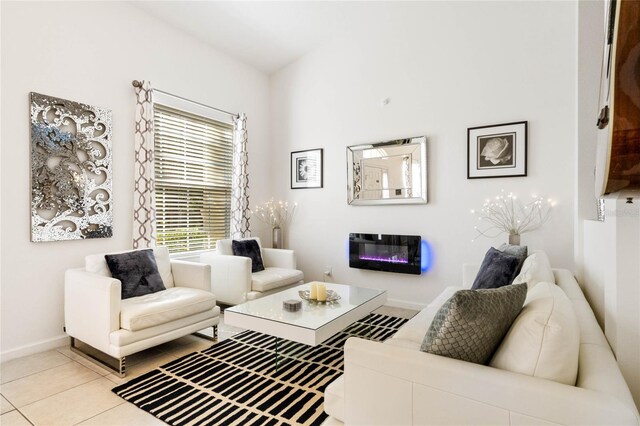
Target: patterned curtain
(144, 202)
(240, 181)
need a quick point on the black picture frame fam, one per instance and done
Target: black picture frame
(307, 169)
(497, 151)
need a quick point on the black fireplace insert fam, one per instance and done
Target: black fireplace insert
(380, 252)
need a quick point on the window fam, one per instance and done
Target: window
(193, 160)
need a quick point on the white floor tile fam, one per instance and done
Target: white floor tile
(93, 366)
(123, 415)
(5, 405)
(13, 418)
(22, 367)
(185, 345)
(74, 405)
(40, 385)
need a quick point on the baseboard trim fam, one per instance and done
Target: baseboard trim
(34, 348)
(398, 303)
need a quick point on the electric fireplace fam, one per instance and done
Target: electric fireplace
(380, 252)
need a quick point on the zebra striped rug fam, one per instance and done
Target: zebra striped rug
(235, 382)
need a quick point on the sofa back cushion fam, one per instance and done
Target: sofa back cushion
(96, 264)
(544, 340)
(470, 325)
(226, 246)
(536, 268)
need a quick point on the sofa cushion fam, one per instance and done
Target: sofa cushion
(497, 269)
(96, 264)
(226, 246)
(415, 329)
(536, 268)
(141, 312)
(272, 278)
(544, 340)
(521, 252)
(250, 249)
(471, 324)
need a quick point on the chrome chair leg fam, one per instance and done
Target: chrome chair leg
(117, 365)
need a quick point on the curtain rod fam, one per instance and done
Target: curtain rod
(137, 83)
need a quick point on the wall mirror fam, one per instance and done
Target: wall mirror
(393, 172)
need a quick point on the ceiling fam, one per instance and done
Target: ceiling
(266, 34)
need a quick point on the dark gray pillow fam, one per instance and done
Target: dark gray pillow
(521, 252)
(472, 323)
(496, 270)
(138, 272)
(250, 249)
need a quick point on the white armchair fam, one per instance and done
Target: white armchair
(233, 282)
(106, 328)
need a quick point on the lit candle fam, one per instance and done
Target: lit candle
(322, 292)
(313, 294)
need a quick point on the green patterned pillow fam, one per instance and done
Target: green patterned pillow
(472, 323)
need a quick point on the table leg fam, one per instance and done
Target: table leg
(276, 359)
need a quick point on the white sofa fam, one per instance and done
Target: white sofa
(105, 324)
(232, 280)
(394, 383)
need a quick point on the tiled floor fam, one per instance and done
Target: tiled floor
(59, 387)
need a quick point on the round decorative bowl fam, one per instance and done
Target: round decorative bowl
(332, 296)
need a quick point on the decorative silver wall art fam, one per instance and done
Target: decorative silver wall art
(70, 170)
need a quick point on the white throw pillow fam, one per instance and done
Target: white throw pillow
(536, 268)
(96, 264)
(544, 340)
(225, 246)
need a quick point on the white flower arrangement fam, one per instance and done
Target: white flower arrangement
(276, 214)
(507, 213)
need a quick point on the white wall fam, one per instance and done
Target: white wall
(446, 66)
(90, 52)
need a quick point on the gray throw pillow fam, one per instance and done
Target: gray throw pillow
(138, 272)
(521, 252)
(497, 269)
(472, 323)
(250, 249)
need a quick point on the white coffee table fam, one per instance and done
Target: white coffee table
(315, 322)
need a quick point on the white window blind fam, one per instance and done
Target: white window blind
(193, 160)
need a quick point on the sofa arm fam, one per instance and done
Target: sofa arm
(230, 277)
(191, 274)
(385, 383)
(279, 258)
(91, 307)
(469, 272)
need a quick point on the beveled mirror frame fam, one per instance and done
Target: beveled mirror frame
(414, 150)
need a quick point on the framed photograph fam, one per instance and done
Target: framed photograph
(306, 169)
(499, 150)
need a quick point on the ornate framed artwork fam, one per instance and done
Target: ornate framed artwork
(495, 151)
(306, 169)
(70, 170)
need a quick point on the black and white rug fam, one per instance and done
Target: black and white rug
(235, 382)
